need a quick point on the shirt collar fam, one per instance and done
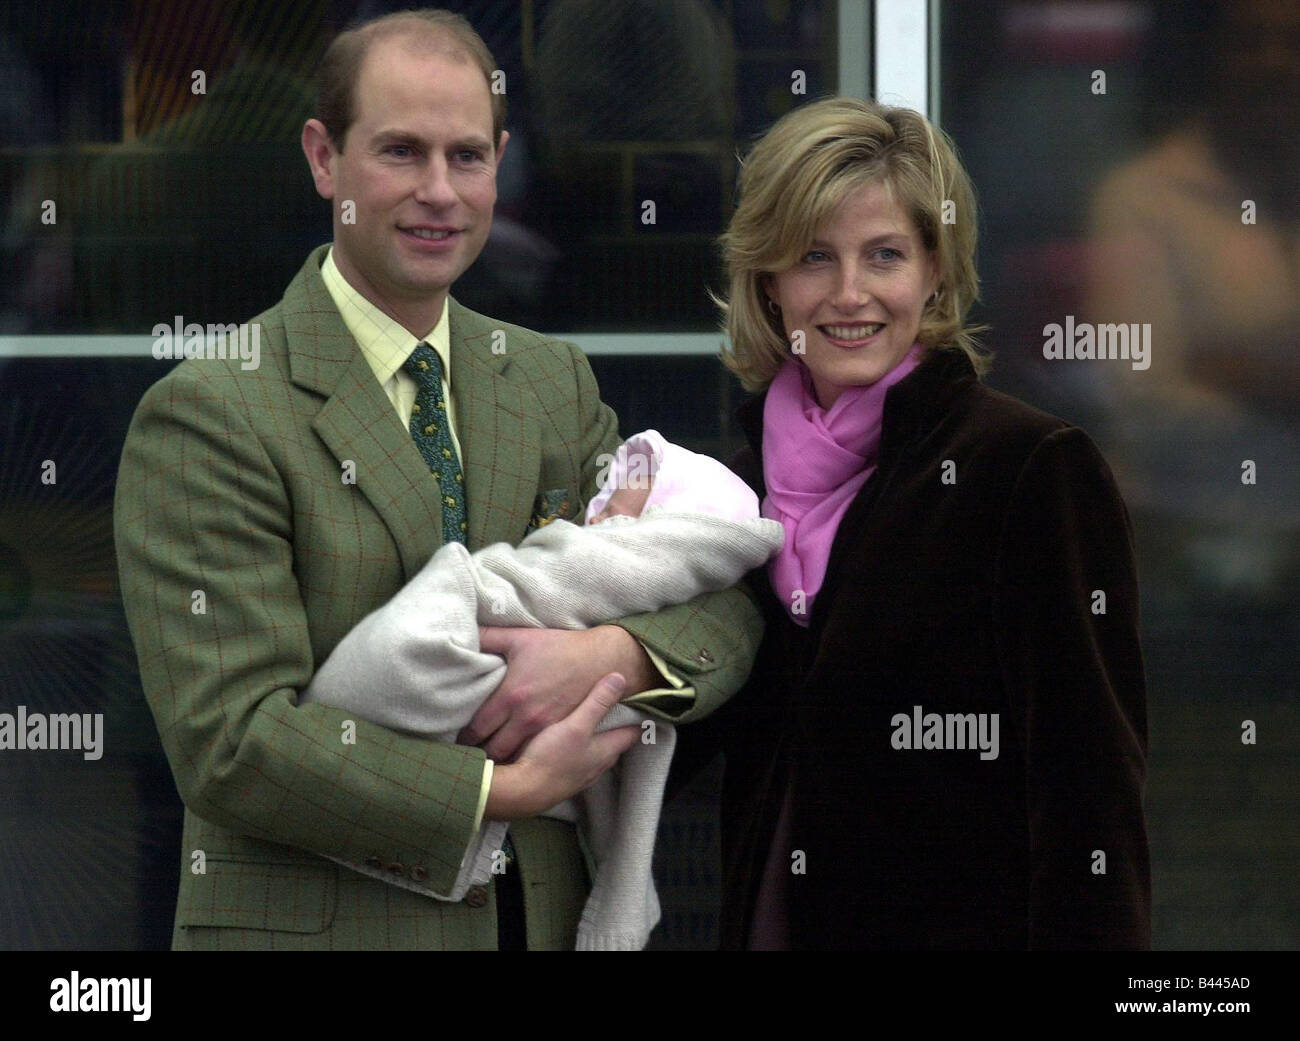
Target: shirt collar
(382, 339)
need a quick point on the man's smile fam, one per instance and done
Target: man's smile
(430, 236)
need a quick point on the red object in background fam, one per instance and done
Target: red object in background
(1074, 31)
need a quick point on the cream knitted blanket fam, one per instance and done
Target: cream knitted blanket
(415, 665)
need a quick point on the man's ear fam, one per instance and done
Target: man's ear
(320, 151)
(501, 146)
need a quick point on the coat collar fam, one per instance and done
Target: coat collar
(499, 425)
(913, 406)
(498, 431)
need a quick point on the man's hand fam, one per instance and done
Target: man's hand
(563, 759)
(548, 673)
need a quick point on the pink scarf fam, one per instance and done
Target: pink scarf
(814, 462)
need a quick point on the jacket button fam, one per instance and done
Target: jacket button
(374, 862)
(704, 657)
(418, 873)
(397, 868)
(477, 896)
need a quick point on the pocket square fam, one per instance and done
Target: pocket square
(553, 504)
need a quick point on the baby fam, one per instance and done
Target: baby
(666, 526)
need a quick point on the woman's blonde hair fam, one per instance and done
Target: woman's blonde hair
(791, 183)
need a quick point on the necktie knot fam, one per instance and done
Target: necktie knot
(425, 367)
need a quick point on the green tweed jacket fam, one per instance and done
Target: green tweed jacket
(260, 514)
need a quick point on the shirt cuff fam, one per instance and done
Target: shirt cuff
(483, 795)
(675, 687)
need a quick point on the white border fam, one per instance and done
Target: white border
(902, 53)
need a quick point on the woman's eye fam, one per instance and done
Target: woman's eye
(814, 256)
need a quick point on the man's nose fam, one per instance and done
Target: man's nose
(435, 187)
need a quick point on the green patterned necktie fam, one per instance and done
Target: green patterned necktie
(432, 433)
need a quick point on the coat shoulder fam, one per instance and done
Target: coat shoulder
(1037, 435)
(1008, 433)
(254, 368)
(484, 332)
(1010, 418)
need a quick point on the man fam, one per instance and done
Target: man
(261, 513)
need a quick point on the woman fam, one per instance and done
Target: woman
(943, 741)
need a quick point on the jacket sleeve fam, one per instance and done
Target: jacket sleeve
(710, 641)
(204, 535)
(1067, 614)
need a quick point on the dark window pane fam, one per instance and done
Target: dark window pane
(1137, 167)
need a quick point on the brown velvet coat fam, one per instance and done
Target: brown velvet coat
(976, 596)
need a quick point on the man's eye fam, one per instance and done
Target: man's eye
(401, 151)
(888, 253)
(469, 155)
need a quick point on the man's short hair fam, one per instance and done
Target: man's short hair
(443, 32)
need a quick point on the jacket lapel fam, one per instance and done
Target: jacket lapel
(499, 432)
(357, 421)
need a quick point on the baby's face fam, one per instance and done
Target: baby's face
(625, 502)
